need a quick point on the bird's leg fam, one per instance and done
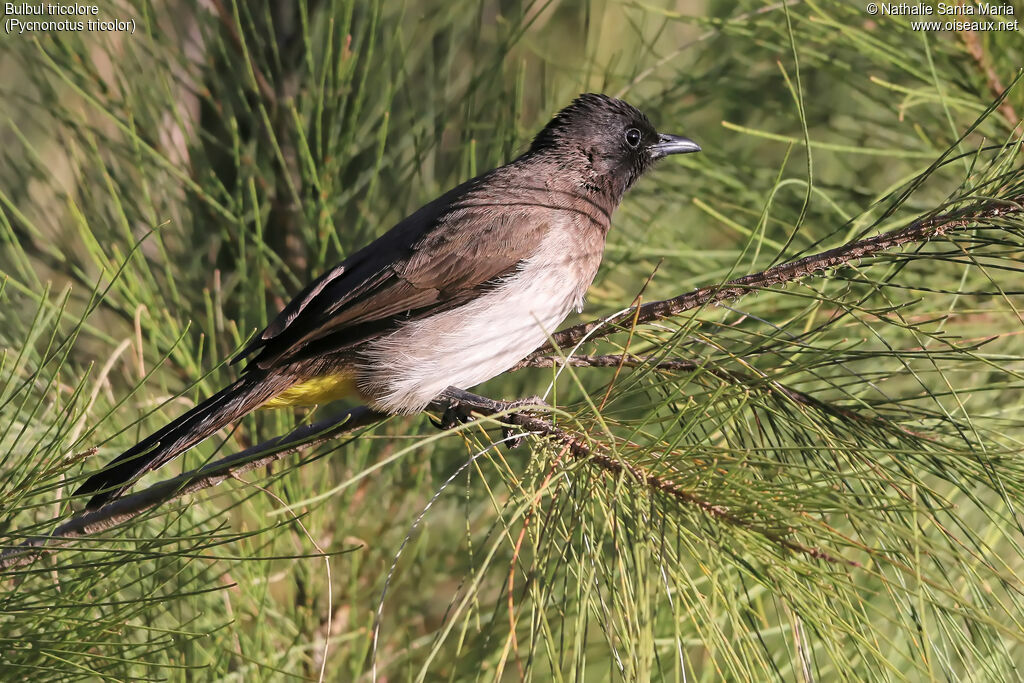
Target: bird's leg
(460, 404)
(455, 413)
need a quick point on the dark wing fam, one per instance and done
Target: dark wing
(445, 254)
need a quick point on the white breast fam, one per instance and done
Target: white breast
(465, 346)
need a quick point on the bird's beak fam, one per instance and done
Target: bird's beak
(673, 144)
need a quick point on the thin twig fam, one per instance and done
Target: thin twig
(126, 508)
(579, 450)
(972, 41)
(918, 231)
(699, 39)
(747, 380)
(262, 84)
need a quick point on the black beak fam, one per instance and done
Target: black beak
(673, 144)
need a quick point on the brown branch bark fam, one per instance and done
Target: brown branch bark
(972, 41)
(739, 378)
(126, 508)
(919, 231)
(580, 450)
(614, 360)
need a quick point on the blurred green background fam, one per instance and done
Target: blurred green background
(162, 193)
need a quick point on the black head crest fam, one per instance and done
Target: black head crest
(608, 142)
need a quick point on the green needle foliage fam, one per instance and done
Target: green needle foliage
(818, 481)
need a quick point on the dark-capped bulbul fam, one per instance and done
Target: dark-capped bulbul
(453, 295)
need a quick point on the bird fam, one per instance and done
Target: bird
(454, 294)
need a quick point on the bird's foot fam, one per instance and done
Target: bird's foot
(455, 413)
(460, 405)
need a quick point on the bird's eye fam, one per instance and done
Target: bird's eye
(633, 137)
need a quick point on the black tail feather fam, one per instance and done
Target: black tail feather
(177, 437)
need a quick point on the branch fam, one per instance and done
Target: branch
(918, 231)
(579, 450)
(128, 507)
(972, 42)
(747, 380)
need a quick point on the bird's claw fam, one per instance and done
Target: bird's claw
(454, 415)
(510, 438)
(457, 413)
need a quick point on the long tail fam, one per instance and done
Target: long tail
(165, 444)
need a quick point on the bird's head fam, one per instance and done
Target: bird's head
(612, 142)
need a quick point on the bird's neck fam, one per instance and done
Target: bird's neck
(565, 175)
